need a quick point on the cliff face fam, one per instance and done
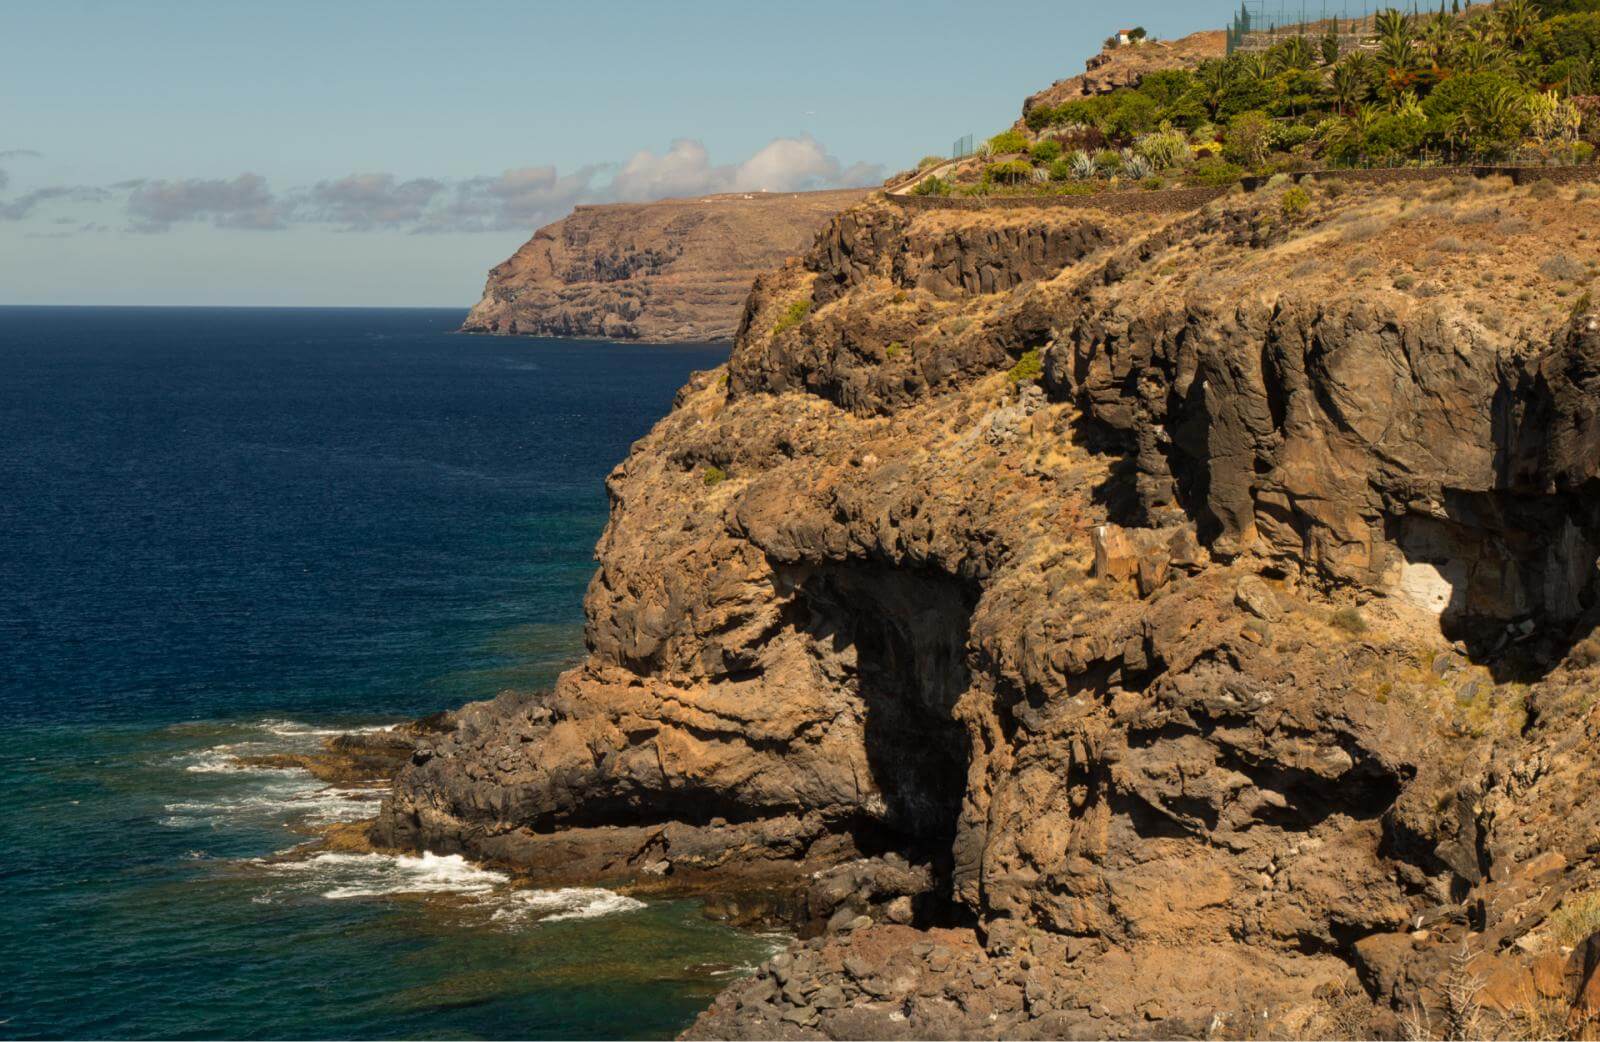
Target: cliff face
(678, 269)
(1103, 625)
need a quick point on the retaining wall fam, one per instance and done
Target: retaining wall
(1176, 200)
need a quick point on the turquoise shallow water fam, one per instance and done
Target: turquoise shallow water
(236, 531)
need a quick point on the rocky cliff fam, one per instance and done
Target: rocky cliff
(1126, 66)
(678, 269)
(1106, 626)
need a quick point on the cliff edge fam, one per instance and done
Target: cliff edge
(674, 270)
(1105, 625)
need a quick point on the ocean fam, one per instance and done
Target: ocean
(230, 531)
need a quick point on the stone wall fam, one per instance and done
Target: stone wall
(1177, 200)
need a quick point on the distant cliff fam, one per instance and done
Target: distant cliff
(678, 269)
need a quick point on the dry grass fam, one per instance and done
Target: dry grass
(1562, 268)
(1576, 920)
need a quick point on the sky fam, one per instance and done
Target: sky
(389, 152)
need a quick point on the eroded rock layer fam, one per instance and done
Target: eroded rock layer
(674, 270)
(1089, 625)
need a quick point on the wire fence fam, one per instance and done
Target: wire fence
(962, 147)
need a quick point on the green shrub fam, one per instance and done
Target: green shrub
(1394, 138)
(1212, 172)
(1289, 136)
(1010, 172)
(1295, 202)
(1046, 151)
(1061, 170)
(714, 476)
(1153, 183)
(792, 316)
(1350, 620)
(1009, 141)
(1248, 138)
(1029, 367)
(929, 161)
(893, 350)
(1039, 117)
(934, 185)
(1129, 115)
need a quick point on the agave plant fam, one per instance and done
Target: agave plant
(1083, 165)
(1040, 175)
(1137, 167)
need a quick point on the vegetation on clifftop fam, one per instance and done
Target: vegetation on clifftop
(1515, 81)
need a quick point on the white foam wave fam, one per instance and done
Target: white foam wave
(551, 906)
(296, 729)
(343, 876)
(224, 759)
(292, 800)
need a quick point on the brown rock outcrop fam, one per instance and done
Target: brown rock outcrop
(1229, 679)
(674, 270)
(1126, 66)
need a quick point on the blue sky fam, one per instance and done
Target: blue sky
(389, 153)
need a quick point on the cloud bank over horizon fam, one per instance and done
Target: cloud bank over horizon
(518, 199)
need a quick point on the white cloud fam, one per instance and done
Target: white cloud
(243, 202)
(518, 199)
(783, 165)
(362, 202)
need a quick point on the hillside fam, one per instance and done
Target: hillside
(674, 270)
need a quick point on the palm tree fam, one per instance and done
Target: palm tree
(1293, 53)
(1215, 79)
(1330, 44)
(1518, 21)
(1495, 121)
(1478, 56)
(1255, 68)
(1438, 39)
(1397, 54)
(1350, 83)
(1392, 25)
(1398, 62)
(1353, 129)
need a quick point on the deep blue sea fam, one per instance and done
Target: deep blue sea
(227, 531)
